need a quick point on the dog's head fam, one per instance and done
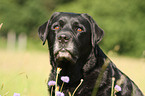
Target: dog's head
(70, 36)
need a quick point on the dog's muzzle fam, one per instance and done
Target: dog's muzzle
(64, 50)
(63, 54)
(64, 57)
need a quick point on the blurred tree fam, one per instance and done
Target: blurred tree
(22, 15)
(121, 20)
(64, 1)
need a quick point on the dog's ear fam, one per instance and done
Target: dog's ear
(43, 29)
(97, 32)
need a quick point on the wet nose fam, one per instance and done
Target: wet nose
(63, 38)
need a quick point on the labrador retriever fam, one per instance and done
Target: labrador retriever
(73, 46)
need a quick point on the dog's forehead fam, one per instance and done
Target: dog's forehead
(69, 17)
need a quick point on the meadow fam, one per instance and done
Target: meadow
(27, 72)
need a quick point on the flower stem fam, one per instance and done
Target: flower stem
(77, 87)
(69, 94)
(51, 90)
(61, 86)
(112, 89)
(56, 84)
(57, 72)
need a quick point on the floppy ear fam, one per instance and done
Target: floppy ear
(43, 29)
(97, 32)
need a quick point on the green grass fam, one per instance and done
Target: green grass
(23, 72)
(27, 72)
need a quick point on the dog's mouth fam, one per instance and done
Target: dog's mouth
(64, 56)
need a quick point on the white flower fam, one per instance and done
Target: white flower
(117, 88)
(65, 79)
(16, 94)
(51, 83)
(59, 93)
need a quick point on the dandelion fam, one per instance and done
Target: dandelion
(58, 93)
(117, 88)
(64, 79)
(16, 94)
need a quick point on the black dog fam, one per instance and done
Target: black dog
(73, 43)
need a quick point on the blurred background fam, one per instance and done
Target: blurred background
(24, 62)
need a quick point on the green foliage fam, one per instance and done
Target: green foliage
(21, 15)
(122, 22)
(63, 1)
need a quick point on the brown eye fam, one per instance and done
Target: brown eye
(79, 30)
(56, 27)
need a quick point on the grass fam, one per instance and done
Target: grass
(23, 72)
(27, 72)
(132, 67)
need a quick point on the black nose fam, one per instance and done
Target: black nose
(63, 38)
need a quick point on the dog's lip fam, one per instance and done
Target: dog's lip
(63, 50)
(64, 54)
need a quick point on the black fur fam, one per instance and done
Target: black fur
(73, 43)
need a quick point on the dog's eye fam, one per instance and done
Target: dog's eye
(79, 29)
(56, 27)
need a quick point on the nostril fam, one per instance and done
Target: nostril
(66, 38)
(63, 38)
(59, 37)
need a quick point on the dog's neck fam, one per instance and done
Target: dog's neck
(70, 71)
(90, 65)
(94, 60)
